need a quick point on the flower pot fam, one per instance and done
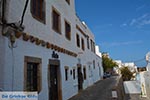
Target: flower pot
(26, 37)
(43, 43)
(38, 41)
(18, 34)
(52, 46)
(32, 39)
(48, 45)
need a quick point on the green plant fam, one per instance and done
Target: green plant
(108, 63)
(126, 73)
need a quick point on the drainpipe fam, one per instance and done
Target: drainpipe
(4, 2)
(3, 11)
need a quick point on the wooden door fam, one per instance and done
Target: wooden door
(80, 78)
(53, 89)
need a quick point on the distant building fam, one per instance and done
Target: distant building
(106, 54)
(132, 67)
(47, 49)
(99, 57)
(119, 63)
(144, 78)
(148, 61)
(117, 69)
(141, 69)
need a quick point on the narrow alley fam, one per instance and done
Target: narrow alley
(102, 90)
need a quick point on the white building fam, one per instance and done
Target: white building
(99, 60)
(117, 69)
(132, 67)
(145, 78)
(51, 51)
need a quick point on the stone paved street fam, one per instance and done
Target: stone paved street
(99, 91)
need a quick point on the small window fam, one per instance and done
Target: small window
(66, 73)
(94, 64)
(56, 22)
(67, 30)
(32, 74)
(88, 44)
(78, 40)
(84, 72)
(38, 10)
(82, 40)
(31, 77)
(92, 46)
(74, 74)
(98, 64)
(68, 1)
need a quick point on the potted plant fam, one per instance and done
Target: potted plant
(43, 43)
(18, 34)
(37, 41)
(32, 39)
(48, 45)
(26, 36)
(52, 46)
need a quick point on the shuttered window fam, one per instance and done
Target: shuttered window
(56, 24)
(38, 10)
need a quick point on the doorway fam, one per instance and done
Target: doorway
(80, 77)
(54, 80)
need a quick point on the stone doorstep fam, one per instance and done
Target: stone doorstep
(114, 94)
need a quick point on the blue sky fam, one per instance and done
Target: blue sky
(121, 27)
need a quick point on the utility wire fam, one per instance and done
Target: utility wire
(139, 60)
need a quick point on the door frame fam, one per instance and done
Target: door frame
(79, 68)
(57, 63)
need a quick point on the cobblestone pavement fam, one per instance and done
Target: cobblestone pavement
(99, 91)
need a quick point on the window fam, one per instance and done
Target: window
(92, 46)
(88, 45)
(78, 40)
(38, 10)
(98, 64)
(74, 74)
(68, 1)
(84, 72)
(56, 25)
(66, 72)
(82, 40)
(32, 74)
(67, 30)
(94, 64)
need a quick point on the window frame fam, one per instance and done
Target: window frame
(83, 45)
(84, 73)
(74, 73)
(77, 40)
(94, 64)
(68, 1)
(56, 18)
(88, 42)
(66, 73)
(67, 31)
(38, 14)
(38, 61)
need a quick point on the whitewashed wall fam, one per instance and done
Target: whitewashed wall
(15, 59)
